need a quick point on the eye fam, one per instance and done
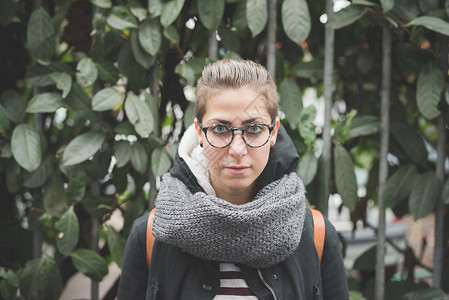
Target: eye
(254, 129)
(219, 129)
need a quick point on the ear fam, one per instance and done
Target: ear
(274, 133)
(199, 132)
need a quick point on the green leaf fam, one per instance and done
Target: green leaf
(345, 16)
(68, 236)
(122, 152)
(345, 177)
(121, 18)
(90, 264)
(54, 196)
(399, 185)
(75, 191)
(8, 290)
(106, 99)
(139, 158)
(63, 82)
(432, 23)
(355, 295)
(387, 5)
(428, 91)
(85, 173)
(410, 142)
(107, 72)
(296, 20)
(424, 195)
(229, 40)
(115, 244)
(189, 115)
(4, 121)
(45, 102)
(309, 69)
(291, 101)
(425, 294)
(40, 33)
(171, 34)
(155, 8)
(153, 105)
(256, 15)
(363, 125)
(82, 147)
(366, 261)
(81, 103)
(14, 105)
(364, 2)
(150, 36)
(239, 19)
(102, 3)
(26, 147)
(39, 75)
(185, 71)
(129, 67)
(160, 162)
(137, 9)
(125, 128)
(306, 126)
(38, 177)
(343, 128)
(139, 115)
(307, 168)
(87, 72)
(170, 11)
(211, 13)
(41, 276)
(142, 57)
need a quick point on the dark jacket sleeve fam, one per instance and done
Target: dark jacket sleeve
(134, 277)
(333, 274)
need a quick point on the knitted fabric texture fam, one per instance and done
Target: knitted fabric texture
(258, 234)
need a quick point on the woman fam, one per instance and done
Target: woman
(231, 215)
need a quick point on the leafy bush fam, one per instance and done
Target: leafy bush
(95, 96)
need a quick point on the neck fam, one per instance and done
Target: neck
(237, 197)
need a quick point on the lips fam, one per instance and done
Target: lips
(237, 169)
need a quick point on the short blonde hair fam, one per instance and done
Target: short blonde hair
(234, 74)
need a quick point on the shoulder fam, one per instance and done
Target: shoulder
(139, 229)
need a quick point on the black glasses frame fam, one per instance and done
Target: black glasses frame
(242, 129)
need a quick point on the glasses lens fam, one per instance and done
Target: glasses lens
(219, 135)
(256, 135)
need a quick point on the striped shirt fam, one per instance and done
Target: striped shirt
(232, 284)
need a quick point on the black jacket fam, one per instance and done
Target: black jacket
(175, 274)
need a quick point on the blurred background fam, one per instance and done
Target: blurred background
(95, 95)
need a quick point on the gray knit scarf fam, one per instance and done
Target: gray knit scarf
(258, 234)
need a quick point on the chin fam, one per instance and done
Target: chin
(239, 183)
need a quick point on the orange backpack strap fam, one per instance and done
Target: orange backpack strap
(150, 236)
(319, 231)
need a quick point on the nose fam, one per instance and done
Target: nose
(237, 147)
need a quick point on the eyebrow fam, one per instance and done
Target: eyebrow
(225, 122)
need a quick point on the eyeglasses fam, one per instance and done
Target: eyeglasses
(220, 136)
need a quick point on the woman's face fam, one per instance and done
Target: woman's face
(234, 169)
